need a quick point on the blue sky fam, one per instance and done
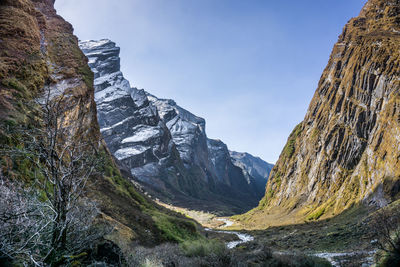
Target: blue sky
(249, 67)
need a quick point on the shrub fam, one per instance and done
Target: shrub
(385, 224)
(389, 259)
(173, 228)
(289, 148)
(203, 247)
(317, 214)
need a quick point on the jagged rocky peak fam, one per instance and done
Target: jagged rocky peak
(255, 170)
(254, 166)
(105, 51)
(163, 145)
(129, 123)
(221, 160)
(210, 157)
(187, 130)
(347, 149)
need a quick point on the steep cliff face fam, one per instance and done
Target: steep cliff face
(129, 123)
(40, 55)
(163, 145)
(253, 167)
(347, 149)
(189, 135)
(233, 175)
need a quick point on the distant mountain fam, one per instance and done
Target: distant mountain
(164, 146)
(253, 167)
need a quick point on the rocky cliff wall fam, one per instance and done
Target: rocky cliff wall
(347, 149)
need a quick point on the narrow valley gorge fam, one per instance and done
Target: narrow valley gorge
(97, 172)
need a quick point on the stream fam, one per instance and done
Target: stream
(243, 238)
(338, 259)
(334, 258)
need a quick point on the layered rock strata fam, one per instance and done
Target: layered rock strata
(346, 151)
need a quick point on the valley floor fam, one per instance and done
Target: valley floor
(206, 219)
(341, 240)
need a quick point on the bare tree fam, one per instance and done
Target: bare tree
(27, 225)
(24, 223)
(385, 225)
(53, 217)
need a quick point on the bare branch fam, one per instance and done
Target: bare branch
(52, 217)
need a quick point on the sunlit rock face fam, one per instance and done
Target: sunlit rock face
(163, 145)
(129, 123)
(188, 133)
(347, 149)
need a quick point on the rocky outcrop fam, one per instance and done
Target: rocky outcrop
(163, 145)
(347, 149)
(129, 123)
(187, 130)
(39, 53)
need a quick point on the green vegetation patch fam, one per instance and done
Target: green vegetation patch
(315, 134)
(122, 185)
(316, 214)
(14, 84)
(265, 200)
(289, 148)
(277, 179)
(174, 229)
(87, 75)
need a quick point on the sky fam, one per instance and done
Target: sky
(249, 67)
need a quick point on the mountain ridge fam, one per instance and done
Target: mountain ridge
(191, 167)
